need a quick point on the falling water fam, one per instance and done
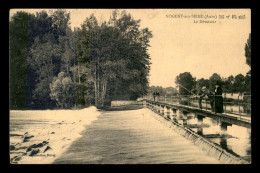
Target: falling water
(233, 147)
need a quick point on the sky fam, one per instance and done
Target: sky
(181, 43)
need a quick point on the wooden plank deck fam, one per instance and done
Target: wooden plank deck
(240, 120)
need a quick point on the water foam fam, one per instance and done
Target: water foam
(58, 127)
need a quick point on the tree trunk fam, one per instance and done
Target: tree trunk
(104, 93)
(98, 87)
(79, 73)
(95, 84)
(74, 79)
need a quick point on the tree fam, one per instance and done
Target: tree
(248, 61)
(186, 83)
(247, 87)
(63, 91)
(239, 83)
(46, 53)
(200, 83)
(43, 63)
(248, 51)
(18, 49)
(116, 54)
(228, 84)
(102, 61)
(213, 79)
(168, 91)
(132, 51)
(40, 25)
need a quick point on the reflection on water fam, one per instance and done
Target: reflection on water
(223, 143)
(237, 139)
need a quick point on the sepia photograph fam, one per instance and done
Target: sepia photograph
(129, 86)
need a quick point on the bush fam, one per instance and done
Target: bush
(63, 91)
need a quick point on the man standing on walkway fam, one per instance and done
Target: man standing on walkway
(218, 98)
(154, 95)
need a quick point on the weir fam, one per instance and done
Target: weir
(209, 147)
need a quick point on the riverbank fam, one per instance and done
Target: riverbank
(40, 136)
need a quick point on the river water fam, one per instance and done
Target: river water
(127, 135)
(132, 137)
(236, 140)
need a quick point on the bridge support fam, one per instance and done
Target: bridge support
(174, 114)
(165, 111)
(150, 106)
(223, 128)
(200, 119)
(185, 117)
(168, 113)
(200, 122)
(200, 131)
(223, 143)
(161, 110)
(244, 122)
(184, 122)
(178, 114)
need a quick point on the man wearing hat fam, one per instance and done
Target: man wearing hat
(218, 104)
(154, 95)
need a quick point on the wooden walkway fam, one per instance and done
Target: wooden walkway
(229, 118)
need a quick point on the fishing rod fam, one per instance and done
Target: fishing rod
(197, 94)
(187, 90)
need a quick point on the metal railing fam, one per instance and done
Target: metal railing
(236, 106)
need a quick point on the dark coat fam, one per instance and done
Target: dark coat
(218, 100)
(211, 100)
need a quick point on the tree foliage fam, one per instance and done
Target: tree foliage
(201, 83)
(168, 91)
(101, 60)
(186, 83)
(63, 90)
(231, 84)
(213, 79)
(248, 50)
(18, 38)
(116, 54)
